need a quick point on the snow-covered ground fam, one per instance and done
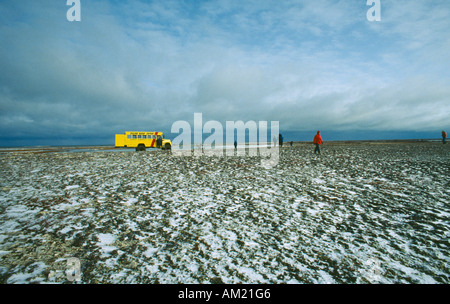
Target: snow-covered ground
(359, 213)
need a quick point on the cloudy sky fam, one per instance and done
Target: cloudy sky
(142, 65)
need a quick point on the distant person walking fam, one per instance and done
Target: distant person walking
(235, 145)
(317, 141)
(280, 139)
(444, 137)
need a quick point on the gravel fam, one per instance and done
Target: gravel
(358, 213)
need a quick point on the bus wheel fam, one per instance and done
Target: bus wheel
(140, 147)
(167, 146)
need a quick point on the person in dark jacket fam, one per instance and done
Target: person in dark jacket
(159, 141)
(317, 141)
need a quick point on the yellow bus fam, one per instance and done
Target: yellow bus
(142, 140)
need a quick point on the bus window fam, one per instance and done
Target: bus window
(144, 136)
(134, 136)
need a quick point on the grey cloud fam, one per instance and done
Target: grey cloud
(143, 65)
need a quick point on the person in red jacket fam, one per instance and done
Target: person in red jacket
(444, 137)
(317, 141)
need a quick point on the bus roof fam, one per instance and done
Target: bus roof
(142, 133)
